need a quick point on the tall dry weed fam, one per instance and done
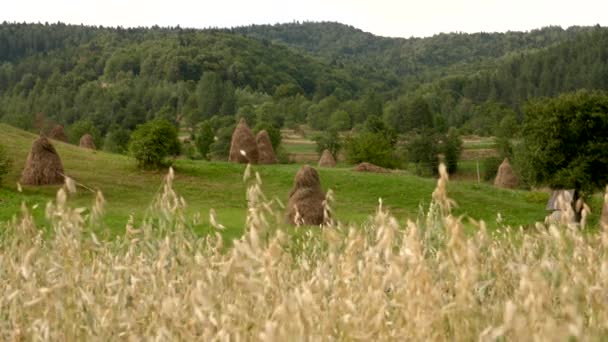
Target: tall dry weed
(425, 280)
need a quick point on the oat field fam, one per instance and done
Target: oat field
(425, 280)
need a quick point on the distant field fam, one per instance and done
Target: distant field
(219, 185)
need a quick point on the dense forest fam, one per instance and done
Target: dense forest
(326, 75)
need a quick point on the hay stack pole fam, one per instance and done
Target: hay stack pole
(306, 199)
(265, 151)
(86, 141)
(327, 159)
(58, 133)
(505, 177)
(604, 217)
(243, 140)
(43, 165)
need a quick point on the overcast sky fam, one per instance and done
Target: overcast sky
(382, 17)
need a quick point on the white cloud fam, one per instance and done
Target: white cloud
(381, 17)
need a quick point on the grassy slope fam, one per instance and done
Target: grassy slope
(219, 185)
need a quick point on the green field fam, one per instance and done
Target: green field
(219, 185)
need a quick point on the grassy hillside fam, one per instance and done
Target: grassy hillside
(219, 185)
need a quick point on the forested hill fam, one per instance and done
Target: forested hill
(326, 75)
(338, 43)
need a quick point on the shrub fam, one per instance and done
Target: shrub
(423, 150)
(452, 148)
(220, 149)
(370, 147)
(490, 168)
(82, 127)
(117, 140)
(273, 132)
(328, 140)
(152, 142)
(204, 139)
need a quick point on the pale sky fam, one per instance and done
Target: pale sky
(391, 18)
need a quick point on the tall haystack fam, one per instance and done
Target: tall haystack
(306, 198)
(505, 177)
(327, 159)
(243, 140)
(265, 151)
(43, 165)
(58, 133)
(86, 141)
(369, 167)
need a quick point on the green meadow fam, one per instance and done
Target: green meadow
(129, 191)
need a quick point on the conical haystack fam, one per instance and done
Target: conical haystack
(58, 133)
(369, 167)
(265, 151)
(43, 165)
(505, 178)
(327, 159)
(86, 141)
(306, 198)
(243, 140)
(604, 217)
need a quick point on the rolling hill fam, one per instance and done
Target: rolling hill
(219, 185)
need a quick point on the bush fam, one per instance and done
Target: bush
(5, 163)
(152, 142)
(204, 139)
(490, 168)
(423, 150)
(82, 127)
(452, 148)
(273, 132)
(369, 147)
(220, 148)
(117, 140)
(328, 140)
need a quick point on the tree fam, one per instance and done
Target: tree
(452, 147)
(273, 132)
(328, 140)
(117, 140)
(204, 139)
(5, 163)
(565, 144)
(152, 142)
(82, 127)
(423, 150)
(370, 147)
(340, 120)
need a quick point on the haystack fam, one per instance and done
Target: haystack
(86, 141)
(243, 140)
(265, 151)
(43, 165)
(327, 159)
(369, 167)
(505, 177)
(58, 133)
(306, 198)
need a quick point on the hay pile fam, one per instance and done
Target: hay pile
(306, 198)
(265, 151)
(86, 141)
(58, 133)
(327, 159)
(369, 167)
(43, 165)
(505, 177)
(243, 140)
